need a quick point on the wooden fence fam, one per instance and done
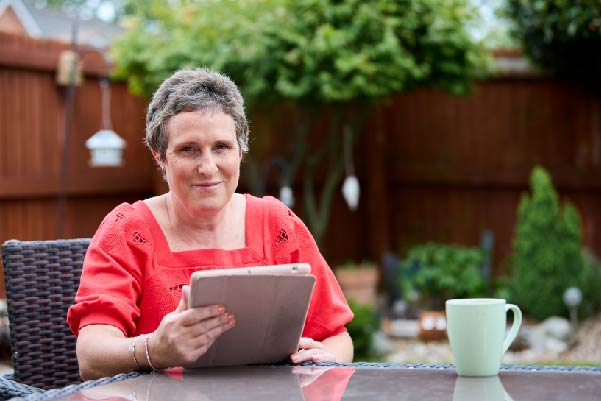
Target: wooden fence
(432, 166)
(32, 110)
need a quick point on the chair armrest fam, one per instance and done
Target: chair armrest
(10, 388)
(42, 395)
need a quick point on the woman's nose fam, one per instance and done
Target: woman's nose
(207, 164)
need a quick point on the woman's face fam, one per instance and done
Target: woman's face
(202, 160)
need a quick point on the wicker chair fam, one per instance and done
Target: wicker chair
(41, 279)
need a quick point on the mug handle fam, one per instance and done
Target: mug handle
(517, 322)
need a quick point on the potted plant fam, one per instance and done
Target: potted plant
(433, 273)
(358, 281)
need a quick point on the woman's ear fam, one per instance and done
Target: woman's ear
(157, 158)
(160, 163)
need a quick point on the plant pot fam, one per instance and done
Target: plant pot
(358, 283)
(432, 325)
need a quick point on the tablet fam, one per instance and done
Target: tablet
(269, 303)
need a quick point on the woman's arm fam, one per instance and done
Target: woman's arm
(104, 351)
(338, 348)
(341, 346)
(181, 338)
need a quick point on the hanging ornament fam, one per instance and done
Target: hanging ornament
(287, 196)
(350, 188)
(351, 192)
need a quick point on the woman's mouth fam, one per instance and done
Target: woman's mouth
(207, 185)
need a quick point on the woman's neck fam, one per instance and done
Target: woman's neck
(220, 229)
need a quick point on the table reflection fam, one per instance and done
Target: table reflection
(479, 389)
(302, 383)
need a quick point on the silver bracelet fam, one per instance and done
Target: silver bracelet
(148, 354)
(132, 349)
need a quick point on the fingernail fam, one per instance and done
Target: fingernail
(221, 308)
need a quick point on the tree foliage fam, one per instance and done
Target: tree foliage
(561, 36)
(332, 59)
(224, 35)
(307, 50)
(341, 51)
(547, 248)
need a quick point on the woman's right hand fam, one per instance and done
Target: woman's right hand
(186, 334)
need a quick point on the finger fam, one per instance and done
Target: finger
(225, 319)
(196, 315)
(304, 355)
(207, 339)
(186, 294)
(183, 302)
(182, 306)
(324, 357)
(308, 343)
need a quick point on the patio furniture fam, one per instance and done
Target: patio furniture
(41, 279)
(342, 381)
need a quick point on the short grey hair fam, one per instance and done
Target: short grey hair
(191, 90)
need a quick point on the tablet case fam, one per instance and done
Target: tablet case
(270, 312)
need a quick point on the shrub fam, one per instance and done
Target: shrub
(547, 250)
(439, 272)
(362, 329)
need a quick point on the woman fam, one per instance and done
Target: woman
(131, 308)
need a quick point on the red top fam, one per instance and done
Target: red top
(131, 279)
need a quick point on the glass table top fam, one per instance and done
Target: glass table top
(336, 383)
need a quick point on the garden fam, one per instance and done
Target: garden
(550, 275)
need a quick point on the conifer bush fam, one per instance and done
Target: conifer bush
(547, 250)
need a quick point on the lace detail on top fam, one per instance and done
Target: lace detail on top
(283, 240)
(282, 236)
(139, 238)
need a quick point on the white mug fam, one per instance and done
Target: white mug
(476, 331)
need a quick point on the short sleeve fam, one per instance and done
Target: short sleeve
(112, 274)
(292, 242)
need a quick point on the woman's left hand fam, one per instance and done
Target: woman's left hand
(311, 350)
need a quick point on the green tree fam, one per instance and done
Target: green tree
(561, 36)
(332, 59)
(547, 250)
(226, 35)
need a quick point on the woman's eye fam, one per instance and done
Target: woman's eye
(222, 146)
